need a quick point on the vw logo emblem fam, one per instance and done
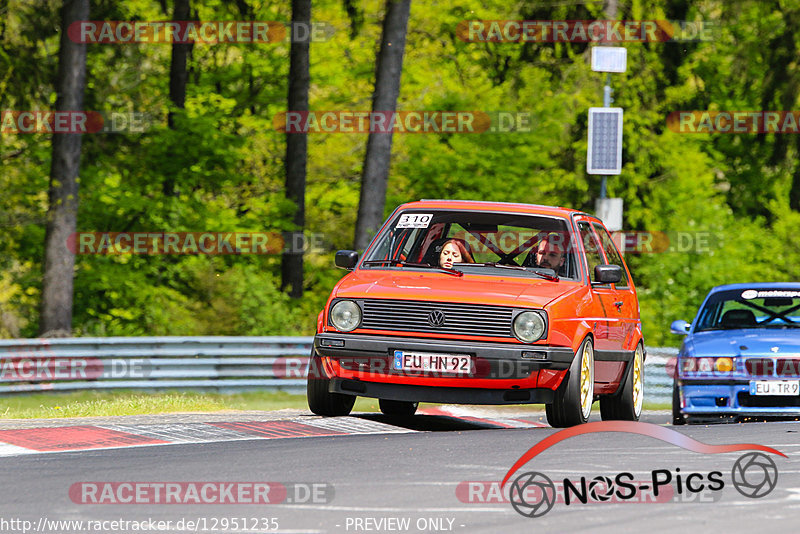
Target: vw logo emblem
(436, 318)
(755, 475)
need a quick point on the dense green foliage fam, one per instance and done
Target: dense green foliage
(225, 157)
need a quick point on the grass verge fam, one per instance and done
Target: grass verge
(106, 403)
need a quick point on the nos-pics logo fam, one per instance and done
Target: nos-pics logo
(533, 494)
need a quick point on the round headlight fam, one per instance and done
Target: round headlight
(345, 315)
(528, 326)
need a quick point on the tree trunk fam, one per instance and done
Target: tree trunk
(610, 9)
(180, 53)
(384, 99)
(177, 79)
(62, 211)
(296, 155)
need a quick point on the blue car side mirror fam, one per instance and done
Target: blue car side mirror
(680, 327)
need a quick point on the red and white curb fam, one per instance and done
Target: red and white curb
(471, 415)
(16, 442)
(113, 436)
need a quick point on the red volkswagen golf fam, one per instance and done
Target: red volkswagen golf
(482, 303)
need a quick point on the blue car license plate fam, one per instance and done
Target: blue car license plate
(775, 387)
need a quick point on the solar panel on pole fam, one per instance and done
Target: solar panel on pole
(604, 154)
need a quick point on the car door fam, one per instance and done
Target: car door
(625, 294)
(607, 321)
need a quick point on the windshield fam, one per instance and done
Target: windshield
(475, 242)
(751, 308)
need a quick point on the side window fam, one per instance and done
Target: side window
(591, 247)
(612, 253)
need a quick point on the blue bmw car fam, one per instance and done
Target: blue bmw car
(741, 355)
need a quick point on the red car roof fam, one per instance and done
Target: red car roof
(481, 205)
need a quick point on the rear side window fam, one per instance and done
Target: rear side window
(591, 247)
(612, 254)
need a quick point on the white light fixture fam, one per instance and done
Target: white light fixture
(609, 59)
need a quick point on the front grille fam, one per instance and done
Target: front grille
(413, 316)
(767, 401)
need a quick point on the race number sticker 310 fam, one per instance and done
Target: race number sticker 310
(414, 220)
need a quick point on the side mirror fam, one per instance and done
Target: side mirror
(346, 259)
(607, 274)
(680, 327)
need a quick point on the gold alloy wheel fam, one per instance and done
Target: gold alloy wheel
(638, 381)
(587, 379)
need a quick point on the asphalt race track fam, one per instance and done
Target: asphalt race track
(438, 472)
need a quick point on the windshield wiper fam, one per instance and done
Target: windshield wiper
(447, 270)
(519, 268)
(380, 262)
(453, 272)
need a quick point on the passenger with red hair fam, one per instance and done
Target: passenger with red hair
(455, 251)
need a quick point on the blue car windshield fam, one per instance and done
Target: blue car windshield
(750, 308)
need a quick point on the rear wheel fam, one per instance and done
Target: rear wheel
(572, 403)
(320, 400)
(397, 408)
(626, 404)
(677, 417)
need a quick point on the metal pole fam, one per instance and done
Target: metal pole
(610, 10)
(607, 100)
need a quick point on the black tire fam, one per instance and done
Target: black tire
(570, 407)
(320, 400)
(626, 403)
(398, 408)
(677, 417)
(552, 416)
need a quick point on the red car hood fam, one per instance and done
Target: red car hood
(442, 287)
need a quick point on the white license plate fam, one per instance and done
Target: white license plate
(775, 387)
(432, 362)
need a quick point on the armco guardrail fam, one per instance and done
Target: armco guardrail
(220, 363)
(657, 384)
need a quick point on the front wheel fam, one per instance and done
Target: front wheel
(320, 400)
(572, 403)
(398, 408)
(677, 416)
(626, 404)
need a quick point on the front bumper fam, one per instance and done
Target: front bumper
(372, 354)
(450, 395)
(733, 397)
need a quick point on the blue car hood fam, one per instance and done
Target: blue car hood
(758, 342)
